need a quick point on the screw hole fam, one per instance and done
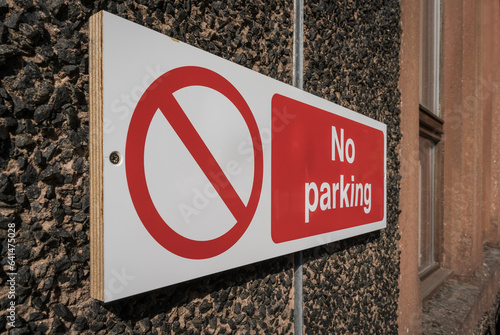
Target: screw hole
(114, 158)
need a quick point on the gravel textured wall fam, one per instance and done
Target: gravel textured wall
(44, 169)
(351, 57)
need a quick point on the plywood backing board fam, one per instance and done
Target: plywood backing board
(96, 159)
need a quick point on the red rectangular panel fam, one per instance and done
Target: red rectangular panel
(327, 171)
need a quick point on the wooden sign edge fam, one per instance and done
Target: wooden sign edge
(96, 158)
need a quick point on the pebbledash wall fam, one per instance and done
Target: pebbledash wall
(351, 57)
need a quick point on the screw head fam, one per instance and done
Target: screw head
(114, 157)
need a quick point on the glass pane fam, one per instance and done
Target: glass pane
(426, 214)
(429, 55)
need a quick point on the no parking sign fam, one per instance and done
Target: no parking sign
(199, 165)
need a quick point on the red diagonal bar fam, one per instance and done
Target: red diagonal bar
(198, 149)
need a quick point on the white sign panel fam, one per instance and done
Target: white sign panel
(209, 166)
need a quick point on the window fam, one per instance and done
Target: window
(426, 234)
(429, 55)
(431, 130)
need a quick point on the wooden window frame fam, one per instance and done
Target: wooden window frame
(431, 127)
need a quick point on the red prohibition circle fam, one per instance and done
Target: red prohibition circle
(159, 96)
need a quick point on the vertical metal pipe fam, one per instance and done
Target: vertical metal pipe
(298, 65)
(298, 319)
(298, 43)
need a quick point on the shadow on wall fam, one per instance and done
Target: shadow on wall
(257, 293)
